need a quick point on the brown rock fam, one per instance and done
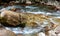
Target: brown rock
(4, 32)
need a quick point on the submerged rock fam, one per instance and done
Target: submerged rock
(25, 19)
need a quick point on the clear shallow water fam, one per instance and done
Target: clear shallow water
(31, 8)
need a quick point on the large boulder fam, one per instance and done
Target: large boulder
(9, 17)
(24, 19)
